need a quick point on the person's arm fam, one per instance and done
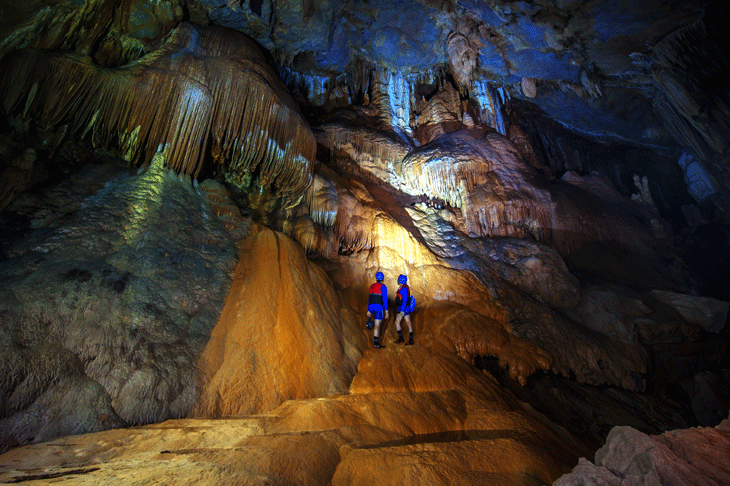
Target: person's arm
(385, 299)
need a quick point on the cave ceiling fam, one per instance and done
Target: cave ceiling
(551, 76)
(583, 63)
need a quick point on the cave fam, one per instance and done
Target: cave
(197, 198)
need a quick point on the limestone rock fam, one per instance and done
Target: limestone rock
(708, 313)
(360, 142)
(17, 176)
(534, 268)
(514, 283)
(682, 457)
(441, 114)
(114, 295)
(710, 392)
(71, 405)
(225, 209)
(610, 313)
(589, 209)
(578, 351)
(497, 192)
(692, 109)
(283, 334)
(411, 413)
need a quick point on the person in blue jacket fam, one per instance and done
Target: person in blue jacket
(378, 305)
(402, 310)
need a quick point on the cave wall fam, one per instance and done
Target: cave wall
(533, 169)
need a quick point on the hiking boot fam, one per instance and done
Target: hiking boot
(400, 340)
(377, 346)
(410, 341)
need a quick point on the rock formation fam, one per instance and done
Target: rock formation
(684, 457)
(112, 298)
(196, 196)
(206, 85)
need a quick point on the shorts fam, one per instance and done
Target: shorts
(377, 314)
(404, 313)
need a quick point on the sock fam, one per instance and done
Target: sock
(400, 334)
(410, 335)
(375, 340)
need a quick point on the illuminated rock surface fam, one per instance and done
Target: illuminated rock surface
(284, 334)
(551, 177)
(415, 414)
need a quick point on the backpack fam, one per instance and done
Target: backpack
(376, 294)
(411, 306)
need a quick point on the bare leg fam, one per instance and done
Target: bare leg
(410, 330)
(408, 323)
(398, 318)
(376, 334)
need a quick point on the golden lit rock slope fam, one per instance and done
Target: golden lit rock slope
(412, 416)
(284, 333)
(331, 410)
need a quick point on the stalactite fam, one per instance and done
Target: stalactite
(359, 141)
(693, 107)
(322, 201)
(486, 178)
(201, 85)
(462, 59)
(312, 88)
(393, 93)
(492, 103)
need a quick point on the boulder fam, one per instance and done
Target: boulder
(705, 312)
(685, 457)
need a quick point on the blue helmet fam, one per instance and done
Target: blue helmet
(379, 276)
(402, 279)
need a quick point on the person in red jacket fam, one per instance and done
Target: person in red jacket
(402, 310)
(378, 305)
